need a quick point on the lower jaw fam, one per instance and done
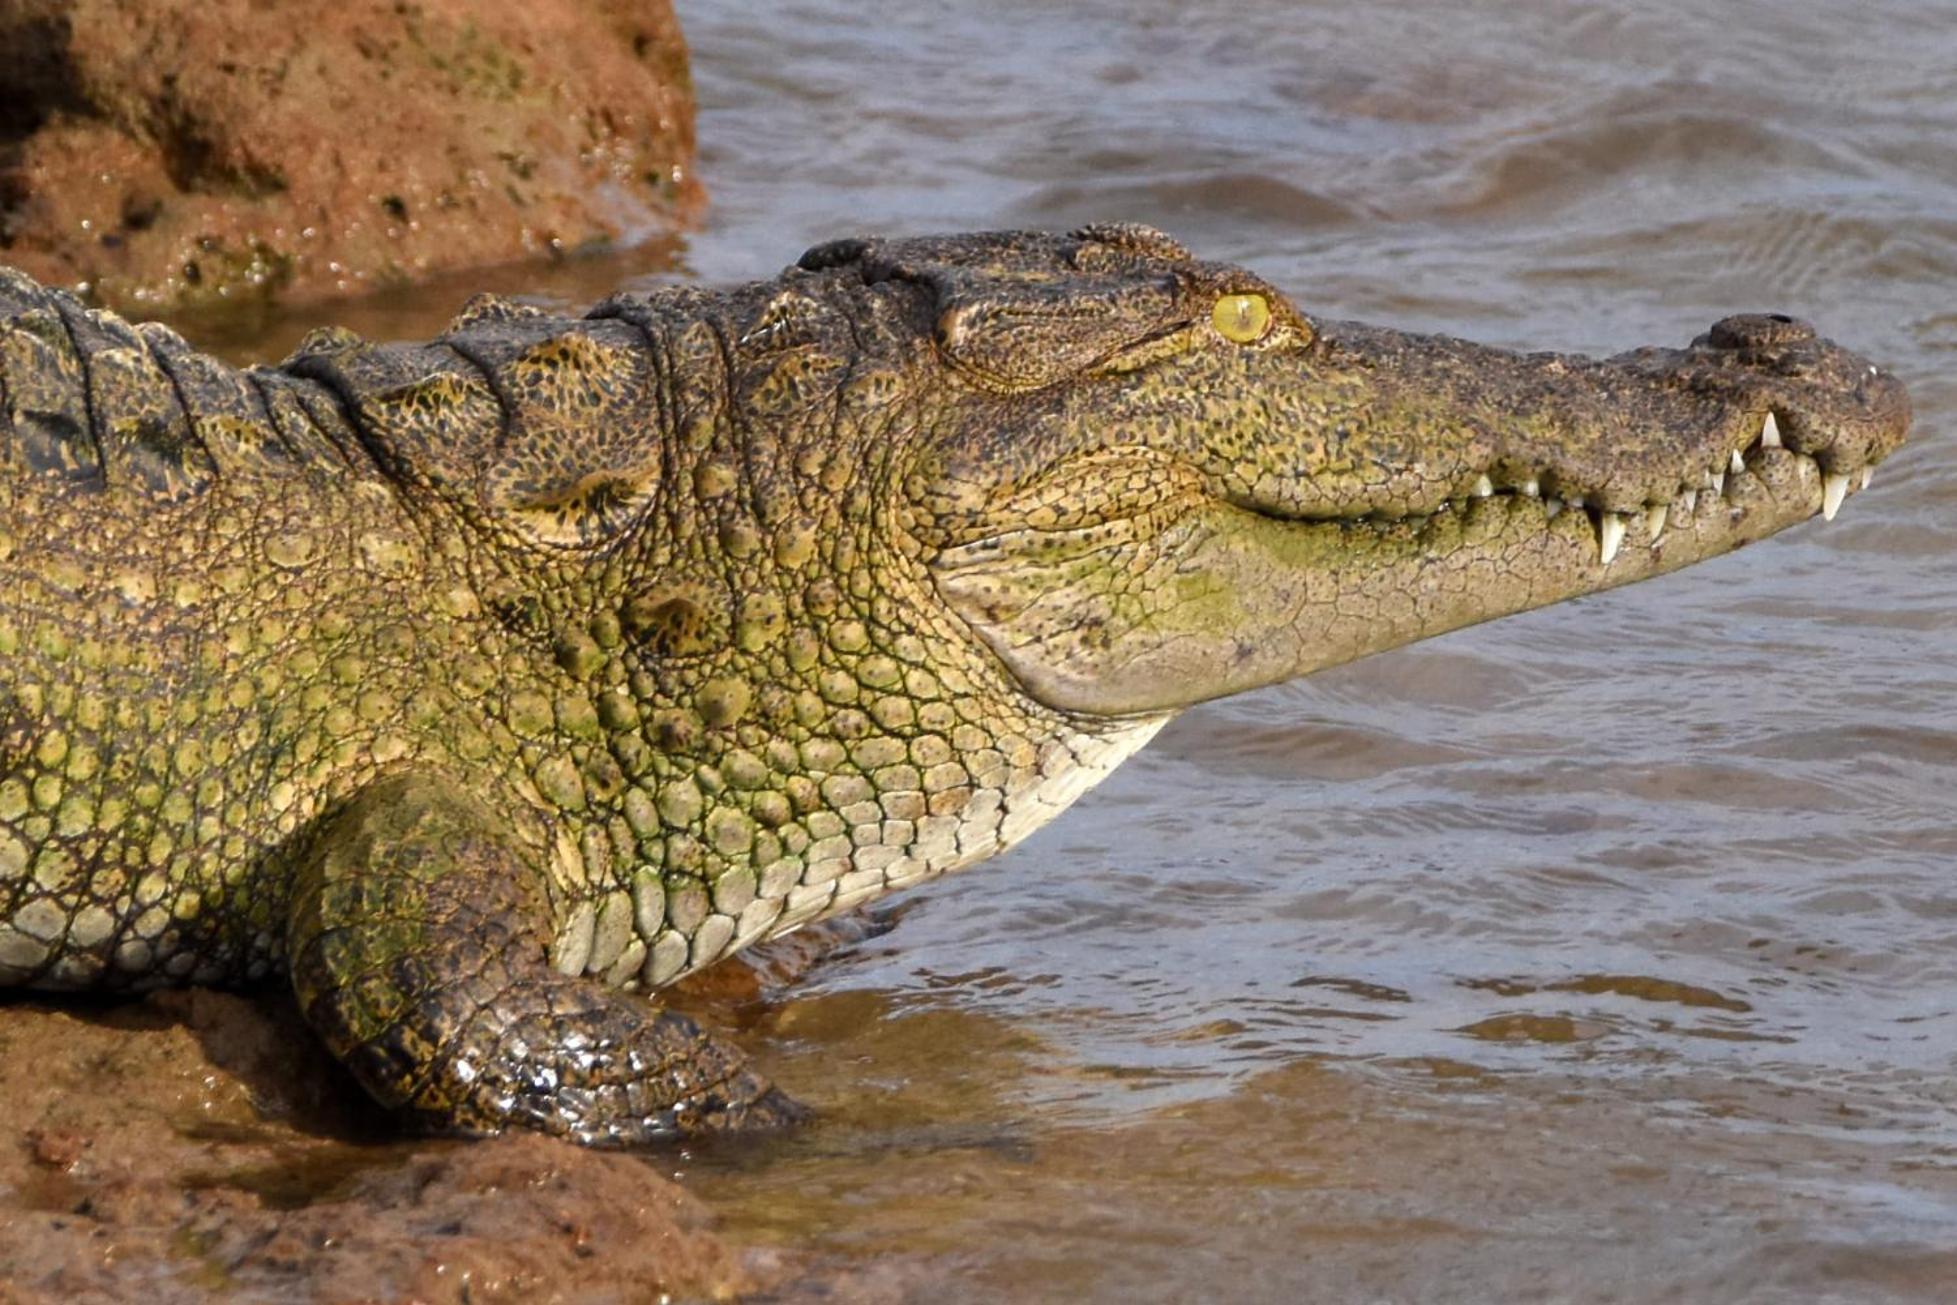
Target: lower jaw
(1749, 499)
(1765, 493)
(1510, 553)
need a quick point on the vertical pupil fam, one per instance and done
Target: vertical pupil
(1243, 318)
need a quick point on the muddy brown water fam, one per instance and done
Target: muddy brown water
(1604, 953)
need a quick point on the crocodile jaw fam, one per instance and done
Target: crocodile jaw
(1216, 588)
(1254, 599)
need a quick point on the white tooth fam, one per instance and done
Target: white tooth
(1610, 536)
(1654, 520)
(1834, 488)
(1770, 433)
(1691, 497)
(1532, 487)
(1738, 463)
(1716, 482)
(1551, 507)
(1576, 500)
(1484, 487)
(1868, 474)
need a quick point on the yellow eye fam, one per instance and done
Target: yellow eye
(1242, 318)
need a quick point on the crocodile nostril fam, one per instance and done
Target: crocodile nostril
(1758, 331)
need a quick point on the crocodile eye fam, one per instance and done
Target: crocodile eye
(1242, 319)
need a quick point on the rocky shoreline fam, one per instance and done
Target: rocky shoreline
(183, 154)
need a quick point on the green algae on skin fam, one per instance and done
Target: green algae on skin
(483, 684)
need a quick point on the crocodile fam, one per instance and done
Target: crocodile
(480, 687)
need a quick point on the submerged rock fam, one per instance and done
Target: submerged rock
(179, 153)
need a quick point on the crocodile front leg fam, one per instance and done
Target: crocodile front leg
(417, 938)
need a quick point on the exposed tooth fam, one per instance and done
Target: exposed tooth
(1610, 536)
(1576, 500)
(1654, 520)
(1834, 488)
(1532, 487)
(1484, 487)
(1691, 497)
(1551, 507)
(1738, 463)
(1770, 433)
(1868, 473)
(1716, 482)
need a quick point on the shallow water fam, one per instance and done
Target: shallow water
(1608, 952)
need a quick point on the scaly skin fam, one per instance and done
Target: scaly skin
(480, 684)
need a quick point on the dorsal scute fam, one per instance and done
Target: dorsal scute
(582, 450)
(487, 308)
(425, 411)
(43, 386)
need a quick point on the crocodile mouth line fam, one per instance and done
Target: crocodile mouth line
(1611, 528)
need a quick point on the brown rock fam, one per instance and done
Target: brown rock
(164, 154)
(199, 1146)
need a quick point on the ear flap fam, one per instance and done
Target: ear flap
(1102, 240)
(1021, 310)
(1025, 336)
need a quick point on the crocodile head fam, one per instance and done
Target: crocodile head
(1152, 480)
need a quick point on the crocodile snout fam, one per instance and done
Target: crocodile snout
(1800, 392)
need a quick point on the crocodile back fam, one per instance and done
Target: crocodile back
(103, 404)
(186, 549)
